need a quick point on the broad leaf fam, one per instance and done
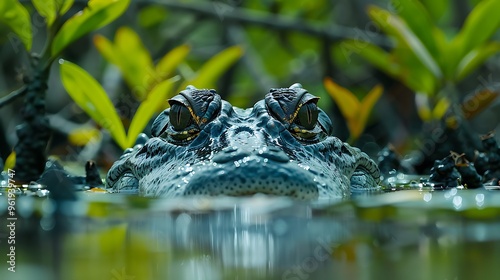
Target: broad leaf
(47, 9)
(98, 14)
(63, 6)
(10, 161)
(131, 57)
(394, 26)
(171, 60)
(83, 135)
(148, 107)
(344, 98)
(374, 54)
(479, 26)
(355, 112)
(15, 15)
(214, 68)
(436, 8)
(441, 108)
(476, 58)
(422, 25)
(135, 62)
(91, 97)
(51, 9)
(366, 107)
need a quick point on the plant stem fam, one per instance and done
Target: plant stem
(34, 133)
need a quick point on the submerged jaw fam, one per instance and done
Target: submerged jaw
(243, 177)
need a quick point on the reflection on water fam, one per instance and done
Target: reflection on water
(451, 234)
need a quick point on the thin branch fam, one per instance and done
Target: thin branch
(227, 13)
(13, 95)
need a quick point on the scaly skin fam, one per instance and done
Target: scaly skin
(282, 146)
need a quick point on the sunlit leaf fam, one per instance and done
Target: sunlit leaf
(171, 60)
(131, 57)
(374, 54)
(214, 68)
(344, 98)
(436, 8)
(91, 97)
(155, 99)
(413, 73)
(479, 26)
(476, 58)
(63, 5)
(354, 111)
(394, 26)
(366, 107)
(10, 161)
(134, 61)
(15, 15)
(440, 109)
(98, 14)
(107, 49)
(423, 108)
(83, 135)
(47, 9)
(422, 25)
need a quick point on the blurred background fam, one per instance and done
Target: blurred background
(278, 43)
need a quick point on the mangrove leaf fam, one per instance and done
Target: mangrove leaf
(98, 14)
(148, 107)
(91, 97)
(214, 68)
(17, 18)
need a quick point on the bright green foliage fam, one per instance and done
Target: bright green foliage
(51, 9)
(208, 74)
(131, 57)
(14, 15)
(98, 14)
(91, 97)
(355, 111)
(148, 107)
(128, 53)
(423, 58)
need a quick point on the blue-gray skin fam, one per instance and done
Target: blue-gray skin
(203, 145)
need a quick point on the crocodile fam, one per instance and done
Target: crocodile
(283, 145)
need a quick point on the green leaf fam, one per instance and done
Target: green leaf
(91, 97)
(148, 107)
(374, 54)
(214, 68)
(171, 60)
(131, 57)
(476, 58)
(63, 6)
(479, 26)
(421, 25)
(395, 26)
(98, 14)
(47, 9)
(436, 8)
(135, 62)
(151, 15)
(15, 15)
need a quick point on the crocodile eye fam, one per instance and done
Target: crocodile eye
(180, 117)
(307, 117)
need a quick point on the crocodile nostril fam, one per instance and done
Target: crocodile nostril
(229, 155)
(275, 154)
